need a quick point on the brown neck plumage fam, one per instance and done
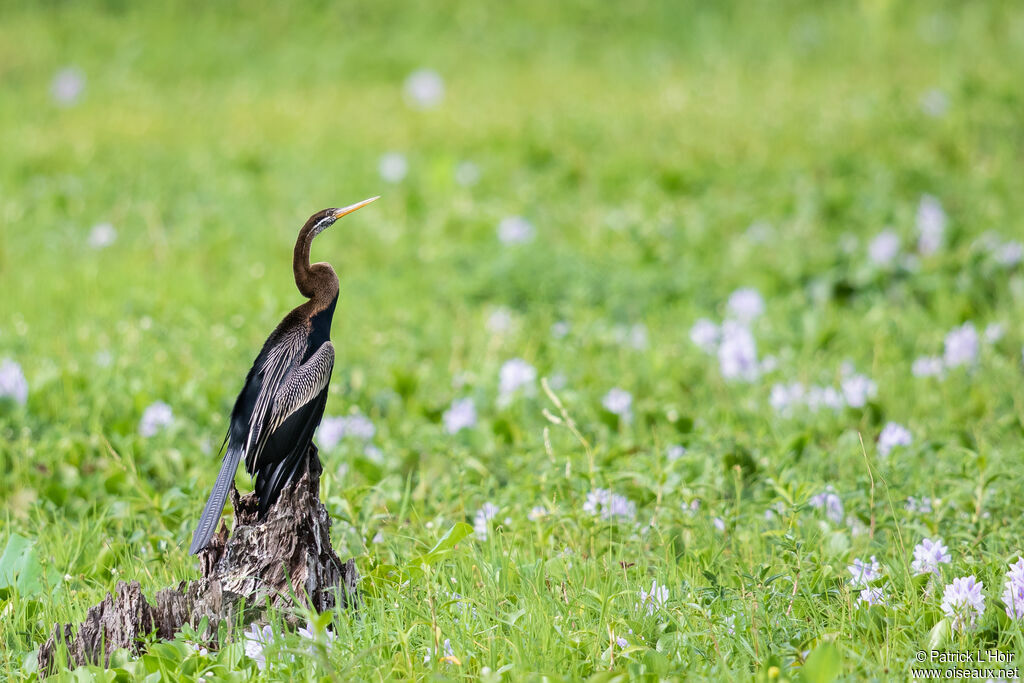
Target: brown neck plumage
(318, 281)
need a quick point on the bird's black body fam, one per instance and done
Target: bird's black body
(285, 392)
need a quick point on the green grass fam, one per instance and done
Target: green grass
(641, 140)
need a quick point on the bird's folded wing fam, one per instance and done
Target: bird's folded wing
(273, 373)
(302, 386)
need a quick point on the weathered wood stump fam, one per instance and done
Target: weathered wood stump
(283, 561)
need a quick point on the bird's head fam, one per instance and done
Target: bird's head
(321, 220)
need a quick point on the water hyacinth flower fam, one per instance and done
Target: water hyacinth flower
(392, 167)
(893, 435)
(155, 418)
(737, 353)
(784, 397)
(13, 384)
(449, 655)
(481, 521)
(994, 332)
(674, 452)
(467, 173)
(963, 601)
(719, 524)
(501, 321)
(330, 432)
(857, 389)
(102, 235)
(961, 346)
(931, 225)
(934, 103)
(745, 305)
(927, 366)
(607, 505)
(67, 86)
(1013, 590)
(862, 573)
(653, 600)
(884, 248)
(1009, 254)
(515, 230)
(560, 329)
(536, 513)
(619, 402)
(705, 335)
(460, 415)
(928, 555)
(921, 505)
(634, 336)
(424, 89)
(256, 640)
(824, 397)
(830, 501)
(309, 633)
(514, 375)
(870, 597)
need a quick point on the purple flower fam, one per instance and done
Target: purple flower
(619, 402)
(857, 389)
(927, 366)
(863, 573)
(13, 384)
(393, 167)
(961, 346)
(461, 415)
(928, 555)
(515, 374)
(157, 417)
(424, 89)
(963, 601)
(705, 334)
(884, 248)
(481, 521)
(831, 502)
(737, 354)
(785, 397)
(67, 86)
(893, 435)
(1013, 590)
(869, 597)
(745, 305)
(102, 235)
(654, 599)
(537, 513)
(935, 103)
(256, 640)
(994, 332)
(607, 505)
(931, 225)
(515, 230)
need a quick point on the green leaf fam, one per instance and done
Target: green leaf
(939, 635)
(823, 665)
(19, 569)
(444, 546)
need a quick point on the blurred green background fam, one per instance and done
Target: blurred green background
(641, 141)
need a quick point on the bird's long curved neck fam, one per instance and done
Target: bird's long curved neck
(322, 290)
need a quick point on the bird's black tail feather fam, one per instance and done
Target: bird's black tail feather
(215, 504)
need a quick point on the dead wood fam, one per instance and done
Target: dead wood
(284, 561)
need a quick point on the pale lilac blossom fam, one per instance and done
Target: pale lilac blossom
(719, 524)
(256, 640)
(927, 366)
(994, 332)
(67, 86)
(931, 225)
(653, 600)
(862, 573)
(424, 89)
(935, 103)
(1009, 254)
(892, 436)
(857, 390)
(460, 415)
(830, 501)
(102, 235)
(393, 167)
(963, 601)
(467, 173)
(330, 432)
(515, 374)
(501, 321)
(961, 346)
(537, 513)
(745, 305)
(785, 397)
(155, 418)
(921, 505)
(870, 597)
(737, 353)
(515, 230)
(705, 335)
(675, 452)
(607, 505)
(13, 384)
(884, 248)
(928, 555)
(482, 519)
(1013, 590)
(560, 329)
(619, 402)
(819, 397)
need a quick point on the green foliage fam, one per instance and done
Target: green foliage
(667, 153)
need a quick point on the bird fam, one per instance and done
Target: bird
(285, 393)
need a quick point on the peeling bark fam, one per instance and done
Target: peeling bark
(283, 561)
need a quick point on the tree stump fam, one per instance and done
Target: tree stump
(283, 561)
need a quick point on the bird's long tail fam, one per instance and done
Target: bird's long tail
(215, 504)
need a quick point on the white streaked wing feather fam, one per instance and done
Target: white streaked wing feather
(274, 373)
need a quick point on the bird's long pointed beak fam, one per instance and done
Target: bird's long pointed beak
(358, 205)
